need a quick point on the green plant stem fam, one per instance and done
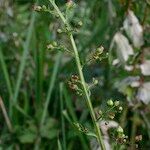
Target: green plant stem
(4, 112)
(79, 67)
(6, 75)
(124, 117)
(69, 105)
(88, 100)
(146, 120)
(8, 83)
(133, 131)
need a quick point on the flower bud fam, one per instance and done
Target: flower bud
(110, 103)
(116, 103)
(59, 30)
(138, 138)
(100, 50)
(100, 112)
(111, 115)
(120, 130)
(50, 46)
(80, 23)
(120, 108)
(70, 4)
(37, 8)
(95, 81)
(44, 7)
(124, 140)
(74, 78)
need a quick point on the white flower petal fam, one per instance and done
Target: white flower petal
(145, 68)
(132, 81)
(115, 62)
(144, 93)
(124, 49)
(133, 29)
(110, 124)
(128, 68)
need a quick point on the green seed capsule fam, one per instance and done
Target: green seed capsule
(120, 108)
(80, 23)
(116, 103)
(120, 130)
(59, 30)
(110, 103)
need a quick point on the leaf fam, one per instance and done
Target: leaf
(27, 134)
(133, 29)
(91, 134)
(50, 134)
(49, 129)
(59, 145)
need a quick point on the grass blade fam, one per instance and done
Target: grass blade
(62, 117)
(24, 57)
(5, 115)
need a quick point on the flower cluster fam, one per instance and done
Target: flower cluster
(81, 128)
(39, 8)
(120, 136)
(98, 54)
(110, 113)
(74, 84)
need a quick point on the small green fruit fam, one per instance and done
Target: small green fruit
(120, 108)
(110, 103)
(120, 130)
(116, 103)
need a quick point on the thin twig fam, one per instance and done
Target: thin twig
(5, 115)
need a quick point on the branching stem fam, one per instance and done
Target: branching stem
(79, 67)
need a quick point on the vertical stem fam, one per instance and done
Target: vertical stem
(133, 131)
(146, 120)
(7, 78)
(123, 118)
(79, 67)
(70, 108)
(87, 97)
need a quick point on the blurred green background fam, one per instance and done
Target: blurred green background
(31, 75)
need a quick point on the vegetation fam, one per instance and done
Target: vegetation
(74, 74)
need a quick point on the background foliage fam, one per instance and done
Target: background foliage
(30, 74)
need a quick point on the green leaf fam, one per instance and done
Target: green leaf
(91, 134)
(49, 129)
